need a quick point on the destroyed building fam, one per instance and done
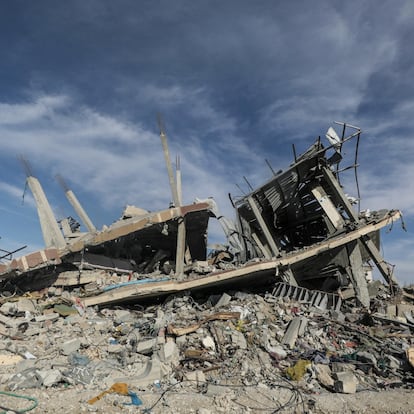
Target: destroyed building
(287, 306)
(299, 228)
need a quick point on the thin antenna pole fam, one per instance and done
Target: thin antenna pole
(245, 179)
(294, 152)
(240, 189)
(271, 169)
(356, 172)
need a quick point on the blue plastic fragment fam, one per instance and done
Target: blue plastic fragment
(135, 400)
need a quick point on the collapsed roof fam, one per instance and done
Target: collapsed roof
(299, 227)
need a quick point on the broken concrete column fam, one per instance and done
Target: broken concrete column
(358, 273)
(263, 225)
(296, 328)
(52, 235)
(181, 244)
(345, 382)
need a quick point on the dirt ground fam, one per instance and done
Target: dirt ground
(244, 400)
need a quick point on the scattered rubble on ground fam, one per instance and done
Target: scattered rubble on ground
(238, 345)
(134, 314)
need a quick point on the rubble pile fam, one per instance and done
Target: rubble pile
(220, 345)
(135, 313)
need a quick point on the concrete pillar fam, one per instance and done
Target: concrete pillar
(358, 273)
(76, 204)
(80, 211)
(181, 231)
(52, 235)
(164, 143)
(263, 226)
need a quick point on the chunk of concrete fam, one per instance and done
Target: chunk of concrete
(8, 308)
(50, 377)
(238, 340)
(345, 382)
(79, 375)
(169, 353)
(25, 305)
(70, 346)
(10, 322)
(296, 328)
(323, 374)
(223, 301)
(47, 317)
(25, 379)
(151, 372)
(147, 346)
(122, 316)
(342, 366)
(208, 343)
(277, 351)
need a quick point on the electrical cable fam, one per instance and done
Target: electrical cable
(25, 397)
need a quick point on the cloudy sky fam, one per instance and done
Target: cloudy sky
(237, 82)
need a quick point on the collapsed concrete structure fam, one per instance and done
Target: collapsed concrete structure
(299, 228)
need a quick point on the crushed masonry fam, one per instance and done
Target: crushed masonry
(289, 299)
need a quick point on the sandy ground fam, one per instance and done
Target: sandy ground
(246, 400)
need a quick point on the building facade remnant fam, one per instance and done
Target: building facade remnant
(297, 228)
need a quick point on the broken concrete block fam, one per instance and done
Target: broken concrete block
(70, 346)
(25, 305)
(337, 315)
(345, 382)
(25, 379)
(8, 308)
(296, 328)
(238, 340)
(147, 346)
(342, 366)
(151, 372)
(115, 348)
(180, 341)
(78, 359)
(24, 365)
(79, 375)
(50, 377)
(405, 308)
(160, 321)
(223, 301)
(201, 266)
(391, 310)
(169, 353)
(47, 317)
(122, 316)
(393, 363)
(277, 351)
(208, 343)
(323, 374)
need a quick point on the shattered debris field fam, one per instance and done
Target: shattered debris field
(146, 316)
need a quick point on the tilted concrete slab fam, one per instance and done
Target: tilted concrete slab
(251, 270)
